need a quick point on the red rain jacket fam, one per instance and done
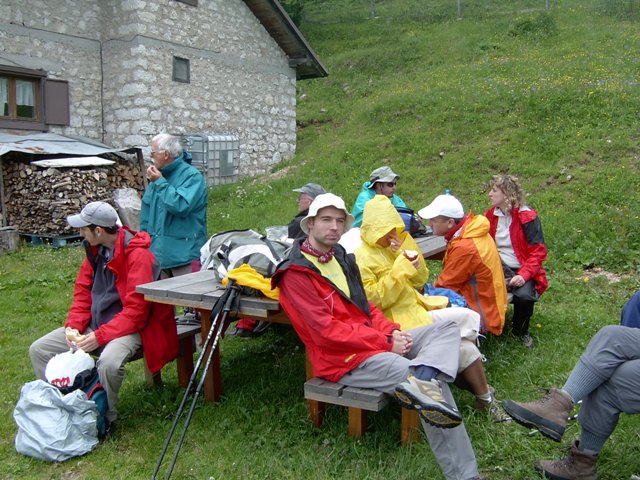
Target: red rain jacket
(132, 265)
(528, 243)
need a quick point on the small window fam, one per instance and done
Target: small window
(181, 70)
(22, 98)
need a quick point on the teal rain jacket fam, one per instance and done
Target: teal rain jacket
(174, 212)
(366, 194)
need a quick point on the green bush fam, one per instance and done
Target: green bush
(539, 26)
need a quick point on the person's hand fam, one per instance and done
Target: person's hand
(396, 243)
(153, 173)
(88, 343)
(517, 281)
(413, 257)
(402, 342)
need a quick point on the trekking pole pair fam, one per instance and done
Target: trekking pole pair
(219, 315)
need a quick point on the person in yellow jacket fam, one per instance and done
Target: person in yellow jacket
(471, 265)
(392, 270)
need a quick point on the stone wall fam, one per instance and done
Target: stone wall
(241, 82)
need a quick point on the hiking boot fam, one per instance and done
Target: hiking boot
(527, 340)
(548, 415)
(491, 408)
(575, 466)
(426, 397)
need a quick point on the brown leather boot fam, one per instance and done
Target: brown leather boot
(576, 466)
(548, 415)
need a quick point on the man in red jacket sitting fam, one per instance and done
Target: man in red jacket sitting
(108, 317)
(350, 341)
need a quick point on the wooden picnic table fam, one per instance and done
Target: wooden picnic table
(201, 290)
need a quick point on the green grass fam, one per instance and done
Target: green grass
(550, 96)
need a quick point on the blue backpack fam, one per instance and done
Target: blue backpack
(89, 382)
(631, 312)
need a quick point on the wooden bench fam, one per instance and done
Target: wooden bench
(184, 360)
(358, 401)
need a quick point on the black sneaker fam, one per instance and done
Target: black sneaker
(109, 431)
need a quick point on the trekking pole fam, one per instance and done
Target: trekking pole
(216, 325)
(228, 304)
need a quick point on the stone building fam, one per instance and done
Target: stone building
(120, 71)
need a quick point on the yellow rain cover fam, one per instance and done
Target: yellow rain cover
(247, 276)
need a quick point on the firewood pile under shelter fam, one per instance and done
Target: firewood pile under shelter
(50, 177)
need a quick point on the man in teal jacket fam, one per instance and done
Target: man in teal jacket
(382, 181)
(174, 208)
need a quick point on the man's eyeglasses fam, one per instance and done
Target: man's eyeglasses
(390, 184)
(155, 152)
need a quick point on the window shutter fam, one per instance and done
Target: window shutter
(56, 102)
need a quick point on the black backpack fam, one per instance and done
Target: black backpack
(412, 222)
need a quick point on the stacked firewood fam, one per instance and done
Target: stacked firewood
(38, 200)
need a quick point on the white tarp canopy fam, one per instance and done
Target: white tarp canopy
(73, 162)
(54, 144)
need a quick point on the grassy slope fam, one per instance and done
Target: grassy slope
(560, 110)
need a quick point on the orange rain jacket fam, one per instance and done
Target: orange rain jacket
(472, 268)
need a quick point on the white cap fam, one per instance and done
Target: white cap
(443, 205)
(322, 201)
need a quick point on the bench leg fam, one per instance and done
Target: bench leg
(410, 429)
(357, 422)
(152, 378)
(213, 379)
(184, 362)
(316, 412)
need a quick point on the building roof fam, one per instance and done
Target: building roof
(280, 26)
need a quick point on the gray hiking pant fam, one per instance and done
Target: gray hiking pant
(110, 364)
(613, 355)
(438, 346)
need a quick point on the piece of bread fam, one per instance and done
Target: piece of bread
(411, 255)
(73, 335)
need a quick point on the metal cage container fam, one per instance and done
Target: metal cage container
(217, 156)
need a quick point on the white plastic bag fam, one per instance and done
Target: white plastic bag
(128, 204)
(62, 369)
(53, 426)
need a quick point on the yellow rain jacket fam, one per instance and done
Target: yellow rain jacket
(247, 276)
(390, 280)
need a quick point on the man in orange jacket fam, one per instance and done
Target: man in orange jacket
(471, 265)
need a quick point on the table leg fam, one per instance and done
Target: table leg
(213, 379)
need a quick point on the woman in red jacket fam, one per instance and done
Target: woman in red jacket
(518, 234)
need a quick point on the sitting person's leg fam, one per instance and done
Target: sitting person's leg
(524, 299)
(599, 415)
(45, 348)
(612, 346)
(413, 378)
(110, 364)
(452, 446)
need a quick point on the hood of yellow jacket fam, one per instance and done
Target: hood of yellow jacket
(378, 218)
